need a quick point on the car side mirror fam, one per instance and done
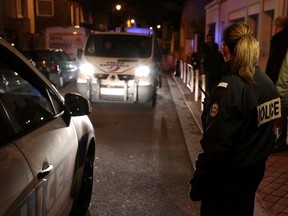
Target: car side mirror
(77, 105)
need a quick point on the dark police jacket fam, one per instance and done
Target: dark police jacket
(237, 120)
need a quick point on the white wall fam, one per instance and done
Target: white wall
(258, 14)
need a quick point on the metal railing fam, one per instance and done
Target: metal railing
(193, 80)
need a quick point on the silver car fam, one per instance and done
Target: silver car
(47, 143)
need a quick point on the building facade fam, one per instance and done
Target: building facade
(23, 22)
(198, 20)
(258, 14)
(192, 27)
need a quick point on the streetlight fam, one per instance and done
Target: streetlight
(133, 22)
(118, 7)
(115, 17)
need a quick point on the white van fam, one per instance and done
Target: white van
(120, 66)
(69, 39)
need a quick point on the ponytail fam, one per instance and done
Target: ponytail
(244, 49)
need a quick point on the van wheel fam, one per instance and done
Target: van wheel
(159, 81)
(152, 102)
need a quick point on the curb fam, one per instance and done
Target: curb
(187, 113)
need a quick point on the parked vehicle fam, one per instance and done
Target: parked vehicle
(56, 65)
(120, 66)
(47, 143)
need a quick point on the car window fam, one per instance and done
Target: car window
(61, 56)
(25, 100)
(24, 104)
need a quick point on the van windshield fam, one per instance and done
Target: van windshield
(120, 46)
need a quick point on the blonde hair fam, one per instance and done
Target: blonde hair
(244, 50)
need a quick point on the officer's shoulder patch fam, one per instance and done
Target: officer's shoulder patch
(214, 110)
(223, 84)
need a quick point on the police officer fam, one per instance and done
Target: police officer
(212, 63)
(238, 120)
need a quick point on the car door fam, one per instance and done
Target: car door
(51, 152)
(16, 182)
(46, 139)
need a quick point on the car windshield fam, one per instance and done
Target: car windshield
(123, 46)
(61, 56)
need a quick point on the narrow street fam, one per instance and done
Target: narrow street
(142, 165)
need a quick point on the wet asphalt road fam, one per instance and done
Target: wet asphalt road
(142, 165)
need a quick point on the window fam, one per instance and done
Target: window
(61, 56)
(45, 8)
(25, 101)
(124, 46)
(25, 105)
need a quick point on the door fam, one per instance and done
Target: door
(43, 141)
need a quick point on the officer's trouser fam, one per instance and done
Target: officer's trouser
(237, 208)
(235, 196)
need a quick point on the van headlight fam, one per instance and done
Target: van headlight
(86, 69)
(142, 71)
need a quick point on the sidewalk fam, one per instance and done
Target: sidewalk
(272, 195)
